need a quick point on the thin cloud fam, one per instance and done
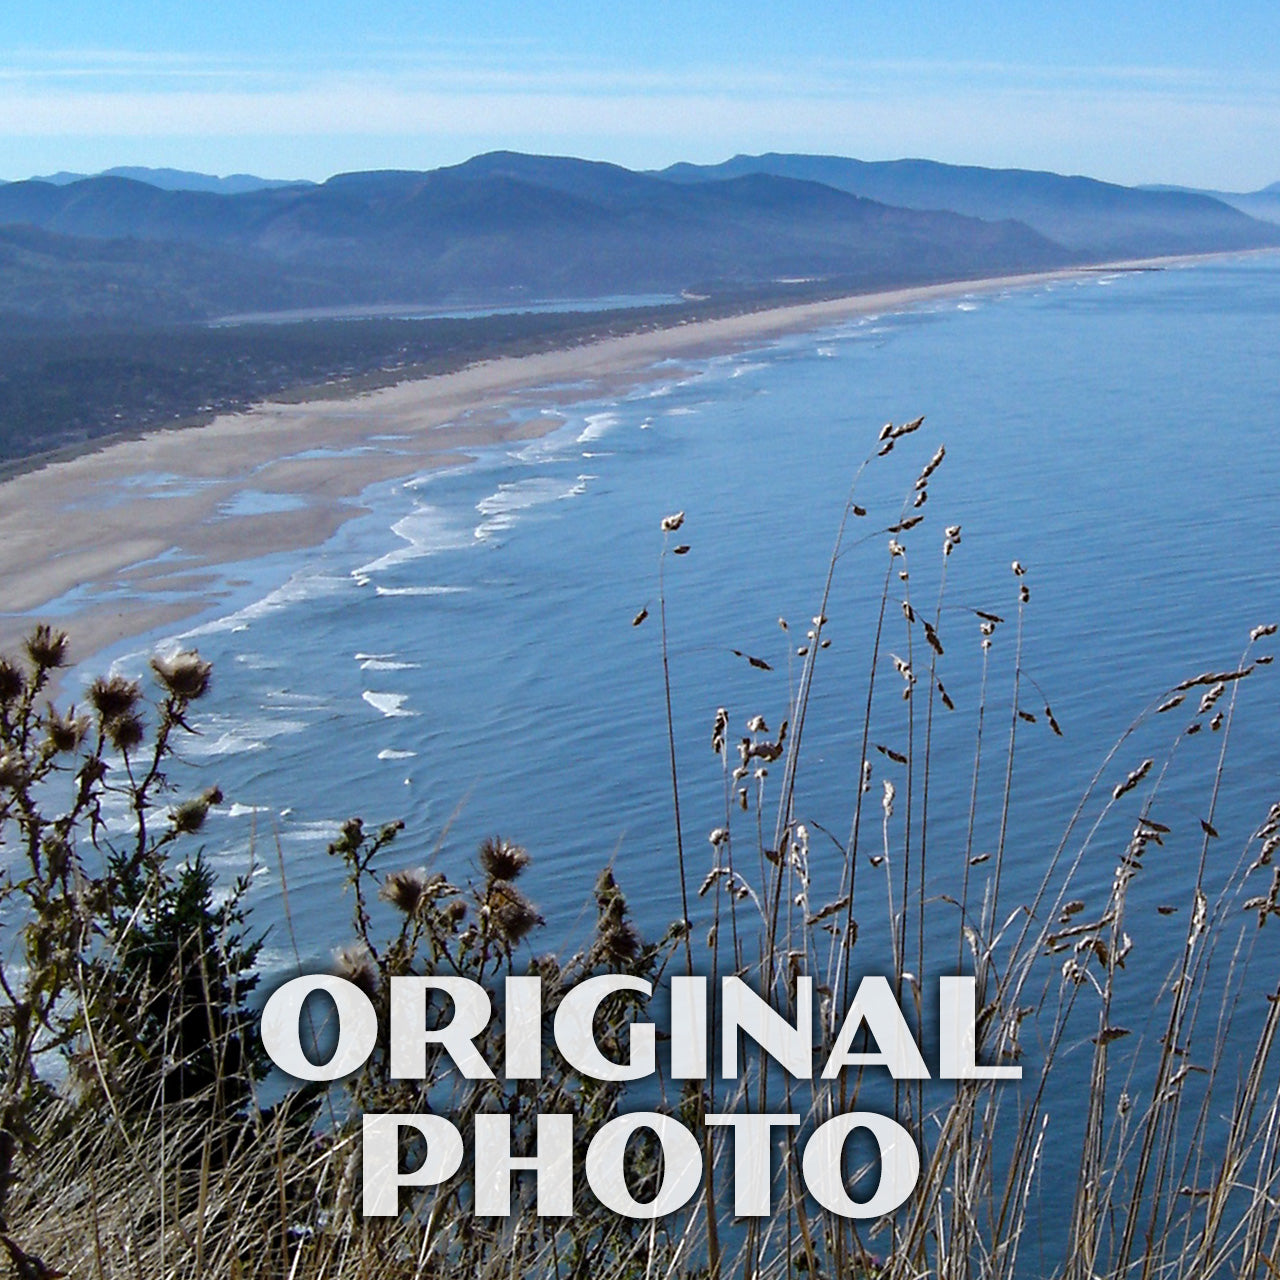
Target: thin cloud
(1127, 124)
(488, 66)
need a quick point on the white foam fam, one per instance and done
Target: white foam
(223, 736)
(238, 810)
(502, 508)
(390, 753)
(308, 832)
(387, 664)
(296, 701)
(681, 411)
(424, 531)
(966, 306)
(390, 704)
(420, 591)
(256, 661)
(542, 450)
(658, 392)
(598, 425)
(747, 368)
(301, 587)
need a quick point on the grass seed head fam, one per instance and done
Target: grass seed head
(718, 730)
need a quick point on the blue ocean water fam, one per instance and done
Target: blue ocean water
(463, 657)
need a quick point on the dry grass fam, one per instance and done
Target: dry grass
(1143, 1140)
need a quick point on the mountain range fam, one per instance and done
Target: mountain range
(1099, 219)
(135, 246)
(177, 179)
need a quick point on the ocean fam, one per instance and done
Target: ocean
(480, 651)
(463, 655)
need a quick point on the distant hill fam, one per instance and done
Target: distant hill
(504, 228)
(178, 180)
(1099, 219)
(1264, 204)
(54, 278)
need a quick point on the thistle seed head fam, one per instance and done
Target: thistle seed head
(125, 732)
(65, 732)
(46, 647)
(357, 966)
(185, 674)
(501, 859)
(12, 771)
(620, 942)
(511, 914)
(12, 682)
(114, 696)
(406, 890)
(189, 816)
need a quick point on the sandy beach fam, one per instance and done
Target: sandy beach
(135, 527)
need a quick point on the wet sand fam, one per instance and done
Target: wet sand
(137, 525)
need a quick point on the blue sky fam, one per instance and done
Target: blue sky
(1129, 91)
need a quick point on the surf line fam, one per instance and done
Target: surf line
(743, 1013)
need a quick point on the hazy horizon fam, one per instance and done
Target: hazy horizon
(1129, 92)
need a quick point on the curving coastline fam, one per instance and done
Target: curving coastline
(135, 528)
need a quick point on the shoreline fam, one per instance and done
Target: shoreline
(157, 515)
